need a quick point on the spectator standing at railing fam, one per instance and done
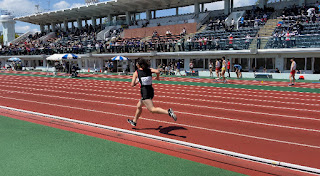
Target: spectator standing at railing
(258, 41)
(179, 45)
(275, 39)
(199, 41)
(217, 43)
(189, 43)
(205, 41)
(293, 39)
(247, 41)
(288, 38)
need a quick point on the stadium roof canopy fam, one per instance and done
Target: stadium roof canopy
(103, 9)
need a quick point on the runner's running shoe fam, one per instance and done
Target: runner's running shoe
(171, 114)
(132, 122)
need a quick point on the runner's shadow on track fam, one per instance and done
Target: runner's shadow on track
(165, 130)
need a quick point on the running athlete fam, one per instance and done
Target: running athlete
(218, 68)
(211, 69)
(292, 72)
(143, 75)
(223, 69)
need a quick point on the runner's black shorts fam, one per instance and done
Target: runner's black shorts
(147, 92)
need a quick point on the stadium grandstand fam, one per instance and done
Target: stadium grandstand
(262, 37)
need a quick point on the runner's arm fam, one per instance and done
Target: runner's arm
(156, 72)
(134, 81)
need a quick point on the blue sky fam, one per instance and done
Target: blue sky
(27, 7)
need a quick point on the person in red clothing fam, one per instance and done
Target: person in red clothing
(228, 67)
(230, 41)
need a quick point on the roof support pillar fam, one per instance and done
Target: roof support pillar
(53, 27)
(72, 26)
(227, 7)
(94, 21)
(3, 62)
(86, 22)
(134, 17)
(65, 25)
(128, 18)
(196, 8)
(79, 23)
(44, 62)
(42, 27)
(202, 7)
(148, 14)
(231, 6)
(177, 11)
(302, 2)
(154, 14)
(109, 19)
(262, 3)
(48, 27)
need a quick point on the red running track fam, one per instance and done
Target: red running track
(268, 124)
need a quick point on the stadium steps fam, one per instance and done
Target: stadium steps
(265, 31)
(202, 29)
(22, 37)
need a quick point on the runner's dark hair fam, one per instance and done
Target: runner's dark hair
(143, 63)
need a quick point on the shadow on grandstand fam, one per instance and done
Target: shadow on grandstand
(165, 130)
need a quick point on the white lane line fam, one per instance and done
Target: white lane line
(181, 112)
(180, 104)
(200, 95)
(175, 98)
(172, 123)
(224, 92)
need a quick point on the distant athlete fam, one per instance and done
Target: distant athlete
(143, 75)
(178, 65)
(211, 69)
(292, 72)
(228, 67)
(238, 70)
(218, 69)
(223, 69)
